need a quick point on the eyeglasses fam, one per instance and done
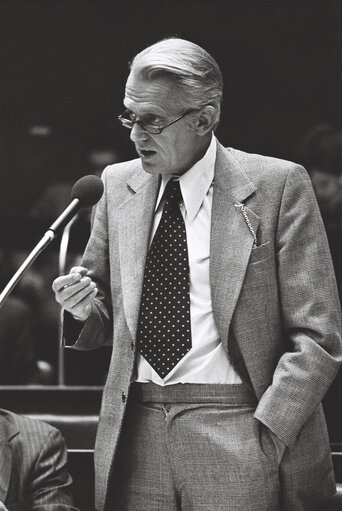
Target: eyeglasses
(128, 119)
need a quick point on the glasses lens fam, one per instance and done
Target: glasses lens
(154, 130)
(126, 123)
(125, 120)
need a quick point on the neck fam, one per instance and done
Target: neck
(197, 155)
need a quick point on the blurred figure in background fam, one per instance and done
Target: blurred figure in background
(29, 321)
(55, 197)
(100, 154)
(19, 364)
(321, 152)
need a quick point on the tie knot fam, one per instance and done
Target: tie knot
(172, 193)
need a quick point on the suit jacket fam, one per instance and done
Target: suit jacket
(33, 471)
(275, 303)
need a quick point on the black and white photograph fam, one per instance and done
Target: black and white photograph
(170, 255)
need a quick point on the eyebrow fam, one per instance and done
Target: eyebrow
(162, 115)
(147, 115)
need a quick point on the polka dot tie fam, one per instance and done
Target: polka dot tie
(164, 331)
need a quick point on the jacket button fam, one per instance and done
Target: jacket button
(123, 397)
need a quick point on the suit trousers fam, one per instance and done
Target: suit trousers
(191, 447)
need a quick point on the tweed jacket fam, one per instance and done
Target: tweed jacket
(33, 472)
(274, 300)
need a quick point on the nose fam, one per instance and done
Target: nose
(138, 133)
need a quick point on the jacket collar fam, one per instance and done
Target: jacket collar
(230, 176)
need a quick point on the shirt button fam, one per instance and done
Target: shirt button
(123, 397)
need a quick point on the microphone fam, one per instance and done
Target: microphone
(86, 192)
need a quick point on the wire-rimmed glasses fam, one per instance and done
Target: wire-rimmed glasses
(128, 119)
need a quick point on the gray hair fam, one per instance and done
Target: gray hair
(196, 73)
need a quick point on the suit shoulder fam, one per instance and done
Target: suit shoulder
(272, 177)
(34, 431)
(257, 165)
(121, 171)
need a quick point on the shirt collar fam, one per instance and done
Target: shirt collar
(194, 183)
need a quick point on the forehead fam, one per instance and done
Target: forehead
(160, 95)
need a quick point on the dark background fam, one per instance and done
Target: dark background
(64, 64)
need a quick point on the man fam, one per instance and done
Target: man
(33, 473)
(208, 270)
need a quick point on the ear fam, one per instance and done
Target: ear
(205, 120)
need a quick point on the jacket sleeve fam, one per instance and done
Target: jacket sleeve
(310, 313)
(51, 484)
(96, 331)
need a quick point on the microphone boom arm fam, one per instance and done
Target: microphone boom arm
(38, 249)
(86, 192)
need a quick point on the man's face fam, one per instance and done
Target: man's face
(159, 101)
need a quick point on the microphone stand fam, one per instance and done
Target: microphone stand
(63, 250)
(86, 192)
(38, 249)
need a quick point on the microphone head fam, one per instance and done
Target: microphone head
(88, 190)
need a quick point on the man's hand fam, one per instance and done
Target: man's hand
(75, 292)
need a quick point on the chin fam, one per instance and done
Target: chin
(150, 169)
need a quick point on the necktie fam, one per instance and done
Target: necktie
(164, 330)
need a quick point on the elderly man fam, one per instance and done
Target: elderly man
(208, 271)
(33, 466)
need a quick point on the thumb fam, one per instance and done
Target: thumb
(78, 269)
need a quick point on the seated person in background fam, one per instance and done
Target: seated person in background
(33, 473)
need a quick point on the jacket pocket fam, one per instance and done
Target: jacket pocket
(267, 444)
(260, 253)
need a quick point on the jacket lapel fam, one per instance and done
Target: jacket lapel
(135, 218)
(231, 240)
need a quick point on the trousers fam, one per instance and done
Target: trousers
(190, 447)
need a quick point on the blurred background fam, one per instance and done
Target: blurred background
(63, 67)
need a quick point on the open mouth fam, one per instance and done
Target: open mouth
(146, 154)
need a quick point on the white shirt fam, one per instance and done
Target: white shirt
(207, 361)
